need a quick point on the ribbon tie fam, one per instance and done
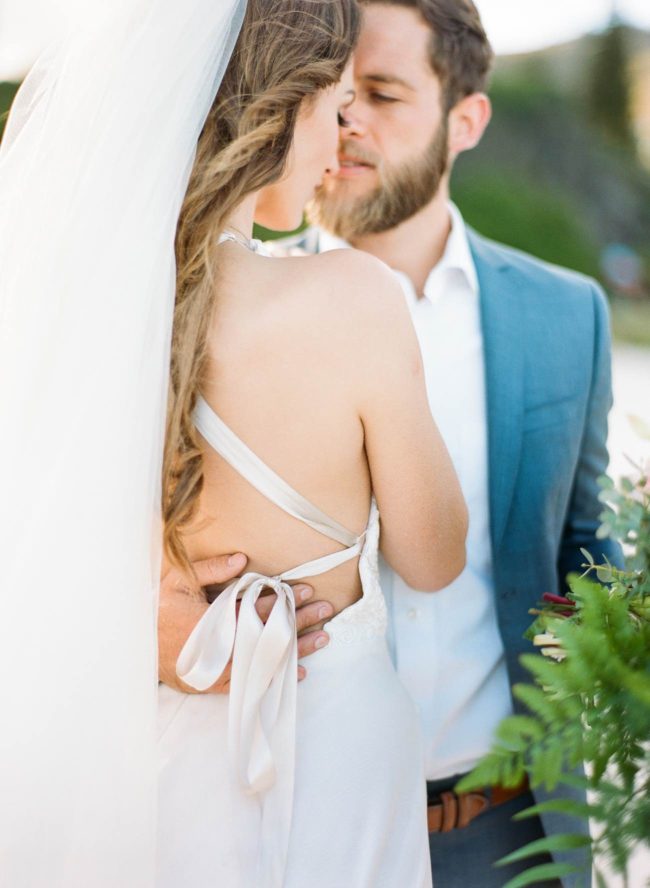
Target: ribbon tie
(262, 700)
(263, 675)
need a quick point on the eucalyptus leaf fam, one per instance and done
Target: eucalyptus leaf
(587, 554)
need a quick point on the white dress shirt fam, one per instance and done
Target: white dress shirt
(447, 645)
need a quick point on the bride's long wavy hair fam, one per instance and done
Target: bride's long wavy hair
(286, 52)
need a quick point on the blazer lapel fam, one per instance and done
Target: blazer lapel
(503, 347)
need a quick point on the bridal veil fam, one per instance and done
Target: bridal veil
(93, 168)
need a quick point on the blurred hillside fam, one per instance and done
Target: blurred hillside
(569, 67)
(546, 178)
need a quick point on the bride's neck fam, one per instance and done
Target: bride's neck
(242, 217)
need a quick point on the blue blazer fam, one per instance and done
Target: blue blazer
(548, 384)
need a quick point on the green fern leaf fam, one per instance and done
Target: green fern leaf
(542, 873)
(580, 810)
(547, 845)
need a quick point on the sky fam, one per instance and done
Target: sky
(25, 25)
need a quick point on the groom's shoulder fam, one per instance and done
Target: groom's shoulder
(536, 276)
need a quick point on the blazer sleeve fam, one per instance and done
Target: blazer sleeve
(584, 507)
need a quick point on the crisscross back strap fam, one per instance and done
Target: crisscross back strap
(226, 443)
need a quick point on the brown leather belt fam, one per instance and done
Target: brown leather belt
(457, 810)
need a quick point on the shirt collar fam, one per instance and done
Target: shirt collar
(328, 241)
(456, 258)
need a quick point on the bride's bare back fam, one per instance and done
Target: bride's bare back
(314, 364)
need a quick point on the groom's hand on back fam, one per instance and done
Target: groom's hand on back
(180, 610)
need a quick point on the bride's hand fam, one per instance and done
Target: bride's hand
(180, 610)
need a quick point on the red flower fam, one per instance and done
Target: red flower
(560, 599)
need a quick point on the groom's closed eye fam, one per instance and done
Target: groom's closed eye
(381, 97)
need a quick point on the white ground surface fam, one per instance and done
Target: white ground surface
(631, 379)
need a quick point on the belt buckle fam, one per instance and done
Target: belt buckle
(455, 811)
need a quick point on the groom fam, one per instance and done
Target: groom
(517, 362)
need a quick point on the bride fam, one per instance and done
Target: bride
(297, 414)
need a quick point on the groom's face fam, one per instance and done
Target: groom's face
(394, 150)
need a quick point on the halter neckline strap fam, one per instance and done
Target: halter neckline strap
(229, 446)
(252, 244)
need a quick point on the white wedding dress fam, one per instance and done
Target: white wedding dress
(280, 785)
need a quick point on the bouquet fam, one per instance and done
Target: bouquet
(589, 701)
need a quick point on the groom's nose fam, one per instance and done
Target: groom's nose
(354, 124)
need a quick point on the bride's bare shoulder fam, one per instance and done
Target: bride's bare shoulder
(352, 269)
(349, 307)
(346, 285)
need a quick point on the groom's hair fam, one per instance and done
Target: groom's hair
(459, 51)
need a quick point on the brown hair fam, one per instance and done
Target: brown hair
(286, 52)
(459, 52)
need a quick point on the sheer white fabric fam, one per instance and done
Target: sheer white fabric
(93, 168)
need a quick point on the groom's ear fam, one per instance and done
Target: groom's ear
(468, 120)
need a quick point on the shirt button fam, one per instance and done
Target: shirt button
(412, 613)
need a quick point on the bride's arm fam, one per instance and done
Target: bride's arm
(423, 513)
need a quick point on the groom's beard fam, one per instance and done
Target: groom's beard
(402, 191)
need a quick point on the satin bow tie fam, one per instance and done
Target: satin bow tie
(263, 674)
